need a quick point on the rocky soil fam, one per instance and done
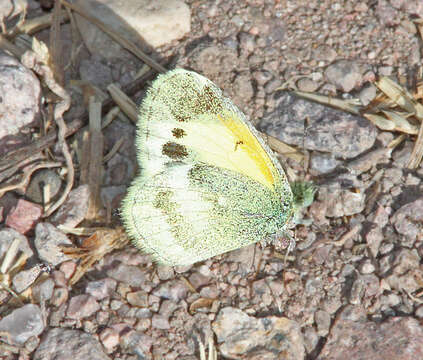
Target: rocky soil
(353, 285)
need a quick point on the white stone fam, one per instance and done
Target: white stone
(155, 22)
(10, 9)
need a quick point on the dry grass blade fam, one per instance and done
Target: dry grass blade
(81, 231)
(141, 72)
(401, 122)
(130, 89)
(115, 36)
(202, 350)
(379, 103)
(400, 96)
(200, 303)
(212, 349)
(384, 113)
(124, 102)
(189, 285)
(11, 253)
(46, 195)
(282, 148)
(348, 235)
(417, 153)
(11, 265)
(24, 42)
(380, 121)
(392, 122)
(110, 116)
(398, 140)
(88, 90)
(351, 106)
(77, 43)
(84, 157)
(113, 150)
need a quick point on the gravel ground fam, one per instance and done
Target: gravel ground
(352, 285)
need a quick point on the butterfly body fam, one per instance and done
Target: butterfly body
(208, 183)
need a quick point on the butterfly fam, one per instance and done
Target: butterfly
(207, 182)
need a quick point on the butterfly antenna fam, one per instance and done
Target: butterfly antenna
(290, 248)
(306, 163)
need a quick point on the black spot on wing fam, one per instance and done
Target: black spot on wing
(174, 150)
(178, 133)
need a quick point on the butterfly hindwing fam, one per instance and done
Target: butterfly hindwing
(202, 210)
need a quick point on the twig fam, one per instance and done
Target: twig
(348, 235)
(84, 158)
(9, 172)
(129, 89)
(12, 48)
(21, 185)
(417, 300)
(125, 103)
(30, 60)
(95, 160)
(114, 150)
(37, 146)
(39, 23)
(350, 106)
(189, 285)
(110, 116)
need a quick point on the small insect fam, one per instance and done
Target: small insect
(208, 183)
(45, 267)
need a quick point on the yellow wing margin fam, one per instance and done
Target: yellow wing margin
(249, 157)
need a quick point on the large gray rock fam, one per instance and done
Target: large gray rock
(239, 334)
(23, 323)
(20, 95)
(352, 336)
(66, 344)
(317, 127)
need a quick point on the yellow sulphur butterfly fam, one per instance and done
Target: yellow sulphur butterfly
(208, 183)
